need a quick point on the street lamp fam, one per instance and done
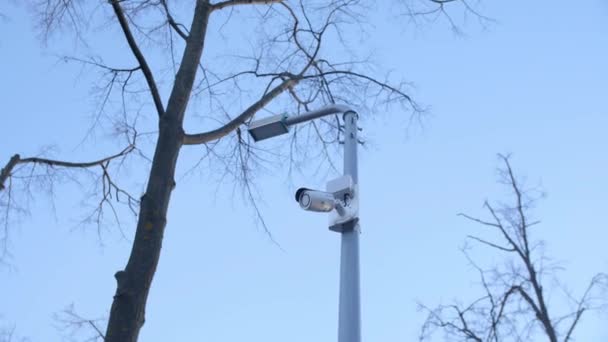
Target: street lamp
(341, 200)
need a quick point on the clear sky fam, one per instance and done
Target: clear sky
(534, 84)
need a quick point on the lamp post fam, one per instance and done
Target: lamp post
(347, 223)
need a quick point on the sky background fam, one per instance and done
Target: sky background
(533, 84)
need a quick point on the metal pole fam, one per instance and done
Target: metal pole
(315, 114)
(349, 321)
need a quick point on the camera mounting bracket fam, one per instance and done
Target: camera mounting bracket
(345, 217)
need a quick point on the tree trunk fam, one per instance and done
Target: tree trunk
(127, 315)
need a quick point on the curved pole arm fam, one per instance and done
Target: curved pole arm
(279, 124)
(315, 114)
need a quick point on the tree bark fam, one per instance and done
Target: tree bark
(127, 314)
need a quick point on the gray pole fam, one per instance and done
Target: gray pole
(315, 114)
(349, 322)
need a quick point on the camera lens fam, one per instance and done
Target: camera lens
(305, 200)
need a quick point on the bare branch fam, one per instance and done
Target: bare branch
(139, 56)
(515, 300)
(432, 10)
(6, 170)
(79, 328)
(505, 249)
(16, 160)
(201, 138)
(318, 72)
(601, 281)
(44, 172)
(178, 28)
(485, 223)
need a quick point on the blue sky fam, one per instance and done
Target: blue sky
(533, 84)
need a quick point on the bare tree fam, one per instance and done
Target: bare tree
(290, 68)
(514, 305)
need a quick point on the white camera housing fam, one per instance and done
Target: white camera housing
(341, 201)
(313, 200)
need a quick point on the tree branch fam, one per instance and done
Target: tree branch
(505, 249)
(577, 317)
(172, 21)
(6, 171)
(583, 304)
(139, 56)
(16, 160)
(78, 327)
(201, 138)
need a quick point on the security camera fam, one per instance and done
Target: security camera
(315, 200)
(340, 200)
